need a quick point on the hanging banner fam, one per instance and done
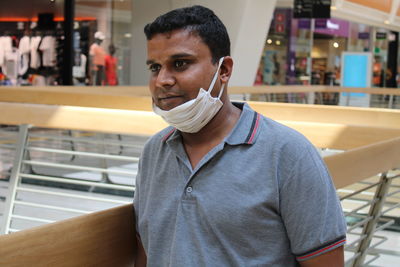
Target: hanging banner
(356, 72)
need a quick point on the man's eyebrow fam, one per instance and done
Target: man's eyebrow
(175, 56)
(181, 55)
(149, 62)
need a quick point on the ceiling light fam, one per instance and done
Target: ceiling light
(269, 41)
(386, 22)
(335, 44)
(277, 42)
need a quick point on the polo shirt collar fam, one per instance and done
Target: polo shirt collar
(245, 131)
(247, 127)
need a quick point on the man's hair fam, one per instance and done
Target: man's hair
(199, 20)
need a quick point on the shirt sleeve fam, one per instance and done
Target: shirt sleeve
(136, 196)
(310, 207)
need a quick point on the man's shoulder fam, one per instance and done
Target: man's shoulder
(280, 132)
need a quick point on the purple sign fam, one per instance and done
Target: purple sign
(335, 27)
(320, 23)
(363, 35)
(304, 23)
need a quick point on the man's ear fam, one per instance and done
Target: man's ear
(226, 69)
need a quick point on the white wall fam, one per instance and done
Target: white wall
(247, 22)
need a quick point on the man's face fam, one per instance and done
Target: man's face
(180, 63)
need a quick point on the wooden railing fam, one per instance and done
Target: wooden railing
(105, 238)
(137, 97)
(326, 126)
(351, 127)
(371, 139)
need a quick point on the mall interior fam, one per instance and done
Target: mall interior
(76, 111)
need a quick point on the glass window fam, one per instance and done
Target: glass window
(107, 40)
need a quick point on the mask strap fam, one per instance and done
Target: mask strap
(221, 91)
(215, 75)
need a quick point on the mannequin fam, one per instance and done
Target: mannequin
(111, 66)
(97, 59)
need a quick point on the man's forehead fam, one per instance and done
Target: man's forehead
(177, 43)
(179, 35)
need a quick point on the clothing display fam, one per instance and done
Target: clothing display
(5, 45)
(98, 75)
(278, 211)
(11, 65)
(98, 54)
(48, 48)
(111, 70)
(24, 49)
(36, 51)
(80, 70)
(98, 63)
(35, 56)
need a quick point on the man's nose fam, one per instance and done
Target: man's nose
(165, 78)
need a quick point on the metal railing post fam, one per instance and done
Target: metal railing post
(14, 177)
(374, 212)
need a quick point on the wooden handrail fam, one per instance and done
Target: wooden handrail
(136, 97)
(283, 89)
(331, 135)
(105, 238)
(360, 163)
(81, 118)
(121, 99)
(374, 117)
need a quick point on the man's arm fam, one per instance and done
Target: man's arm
(141, 258)
(333, 258)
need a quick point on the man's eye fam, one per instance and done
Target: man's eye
(180, 64)
(154, 67)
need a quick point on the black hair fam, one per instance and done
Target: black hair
(199, 20)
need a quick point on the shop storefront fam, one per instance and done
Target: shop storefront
(308, 51)
(34, 42)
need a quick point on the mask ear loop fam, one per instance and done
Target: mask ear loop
(215, 75)
(221, 91)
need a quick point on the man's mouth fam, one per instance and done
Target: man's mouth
(170, 97)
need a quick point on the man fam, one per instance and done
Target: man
(225, 186)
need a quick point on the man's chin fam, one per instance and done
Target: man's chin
(170, 103)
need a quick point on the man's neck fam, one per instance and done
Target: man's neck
(217, 129)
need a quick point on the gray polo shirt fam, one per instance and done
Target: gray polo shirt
(263, 197)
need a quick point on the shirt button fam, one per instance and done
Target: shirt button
(189, 189)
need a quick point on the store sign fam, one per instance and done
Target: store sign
(280, 17)
(363, 35)
(304, 24)
(320, 23)
(312, 9)
(279, 28)
(380, 36)
(280, 20)
(335, 27)
(361, 64)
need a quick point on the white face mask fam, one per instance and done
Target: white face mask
(192, 116)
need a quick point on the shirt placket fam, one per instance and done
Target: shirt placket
(189, 188)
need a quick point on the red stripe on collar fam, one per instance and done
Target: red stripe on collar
(168, 135)
(253, 134)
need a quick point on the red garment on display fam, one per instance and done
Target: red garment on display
(111, 70)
